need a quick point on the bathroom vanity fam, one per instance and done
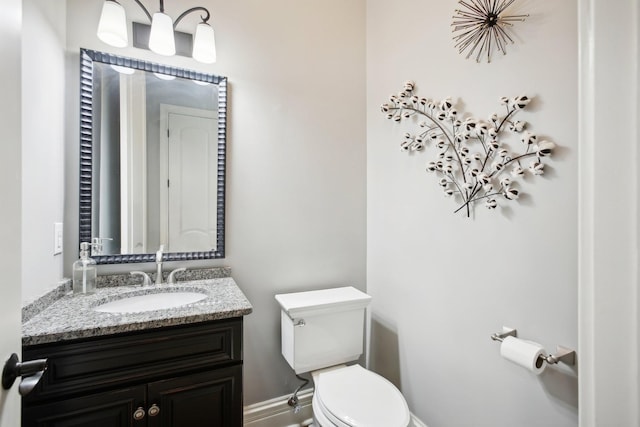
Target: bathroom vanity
(174, 367)
(179, 376)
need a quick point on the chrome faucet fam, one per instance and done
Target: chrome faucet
(159, 255)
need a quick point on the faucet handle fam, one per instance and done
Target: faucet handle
(172, 276)
(146, 280)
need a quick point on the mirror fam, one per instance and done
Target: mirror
(152, 160)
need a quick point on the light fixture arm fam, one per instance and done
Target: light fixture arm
(145, 9)
(188, 11)
(179, 18)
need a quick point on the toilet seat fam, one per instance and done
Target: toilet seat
(353, 396)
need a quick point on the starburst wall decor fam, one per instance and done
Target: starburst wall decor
(482, 26)
(474, 163)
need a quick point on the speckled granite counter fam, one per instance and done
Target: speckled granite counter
(72, 316)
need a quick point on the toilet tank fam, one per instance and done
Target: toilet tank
(322, 328)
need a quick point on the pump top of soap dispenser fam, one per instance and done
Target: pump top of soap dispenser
(84, 250)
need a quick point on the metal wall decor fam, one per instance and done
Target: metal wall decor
(474, 164)
(482, 26)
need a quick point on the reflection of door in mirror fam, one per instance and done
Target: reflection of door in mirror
(188, 178)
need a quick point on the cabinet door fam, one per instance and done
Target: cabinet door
(207, 399)
(93, 365)
(109, 409)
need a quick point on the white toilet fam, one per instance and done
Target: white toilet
(322, 331)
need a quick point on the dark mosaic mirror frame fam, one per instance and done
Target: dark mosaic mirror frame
(87, 59)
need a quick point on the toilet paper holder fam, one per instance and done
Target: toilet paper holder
(563, 354)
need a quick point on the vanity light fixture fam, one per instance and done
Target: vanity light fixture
(112, 29)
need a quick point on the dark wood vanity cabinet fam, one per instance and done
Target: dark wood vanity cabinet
(184, 376)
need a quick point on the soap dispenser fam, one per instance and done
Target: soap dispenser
(84, 272)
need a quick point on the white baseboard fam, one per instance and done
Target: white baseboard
(277, 413)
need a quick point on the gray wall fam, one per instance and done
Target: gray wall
(43, 143)
(442, 283)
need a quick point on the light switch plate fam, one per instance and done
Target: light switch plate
(57, 238)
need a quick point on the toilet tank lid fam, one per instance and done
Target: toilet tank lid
(309, 303)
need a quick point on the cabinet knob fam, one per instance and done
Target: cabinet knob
(139, 414)
(154, 410)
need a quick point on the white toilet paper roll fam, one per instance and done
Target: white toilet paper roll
(524, 353)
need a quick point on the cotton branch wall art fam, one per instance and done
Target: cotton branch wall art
(474, 163)
(483, 25)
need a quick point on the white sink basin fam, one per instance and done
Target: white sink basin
(149, 302)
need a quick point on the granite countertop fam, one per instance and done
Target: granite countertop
(72, 316)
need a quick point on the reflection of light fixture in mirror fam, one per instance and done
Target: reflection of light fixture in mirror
(123, 70)
(164, 76)
(112, 30)
(201, 83)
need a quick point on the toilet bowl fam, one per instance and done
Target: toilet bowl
(352, 396)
